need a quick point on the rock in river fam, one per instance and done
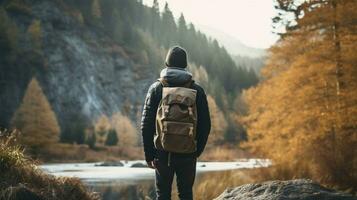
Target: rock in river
(110, 164)
(138, 165)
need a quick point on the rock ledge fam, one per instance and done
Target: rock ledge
(300, 189)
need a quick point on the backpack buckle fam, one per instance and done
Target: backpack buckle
(191, 132)
(165, 110)
(190, 111)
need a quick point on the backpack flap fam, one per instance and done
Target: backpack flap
(180, 103)
(179, 95)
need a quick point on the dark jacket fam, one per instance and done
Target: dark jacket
(175, 77)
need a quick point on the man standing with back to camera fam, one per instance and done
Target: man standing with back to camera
(175, 126)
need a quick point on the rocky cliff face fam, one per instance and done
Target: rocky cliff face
(82, 71)
(283, 190)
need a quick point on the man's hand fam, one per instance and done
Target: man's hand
(151, 164)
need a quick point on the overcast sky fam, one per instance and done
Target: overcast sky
(247, 20)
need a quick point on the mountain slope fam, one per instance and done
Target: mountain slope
(82, 71)
(232, 44)
(99, 58)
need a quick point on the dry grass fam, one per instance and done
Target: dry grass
(21, 178)
(223, 153)
(211, 185)
(82, 153)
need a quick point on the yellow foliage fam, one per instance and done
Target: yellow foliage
(304, 114)
(206, 187)
(125, 129)
(218, 122)
(35, 33)
(101, 128)
(36, 120)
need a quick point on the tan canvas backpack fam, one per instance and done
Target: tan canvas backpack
(176, 119)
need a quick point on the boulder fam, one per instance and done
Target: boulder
(300, 189)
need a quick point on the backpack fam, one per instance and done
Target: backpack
(176, 119)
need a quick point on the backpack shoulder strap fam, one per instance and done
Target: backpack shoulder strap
(163, 82)
(189, 84)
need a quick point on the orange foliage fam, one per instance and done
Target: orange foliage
(36, 120)
(124, 127)
(218, 123)
(304, 114)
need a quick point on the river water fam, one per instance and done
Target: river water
(131, 179)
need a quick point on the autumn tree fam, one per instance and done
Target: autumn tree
(304, 114)
(36, 120)
(102, 126)
(35, 32)
(125, 129)
(218, 123)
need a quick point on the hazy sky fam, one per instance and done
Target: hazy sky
(247, 20)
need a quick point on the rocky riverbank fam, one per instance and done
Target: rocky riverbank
(300, 189)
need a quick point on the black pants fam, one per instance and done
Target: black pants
(185, 170)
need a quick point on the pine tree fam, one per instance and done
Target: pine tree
(112, 138)
(155, 19)
(36, 120)
(182, 30)
(168, 27)
(8, 35)
(117, 26)
(90, 137)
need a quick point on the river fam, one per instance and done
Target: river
(131, 179)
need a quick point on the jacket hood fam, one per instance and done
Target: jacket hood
(175, 75)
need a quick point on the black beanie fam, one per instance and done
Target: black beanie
(176, 57)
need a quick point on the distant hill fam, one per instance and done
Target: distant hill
(250, 63)
(232, 44)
